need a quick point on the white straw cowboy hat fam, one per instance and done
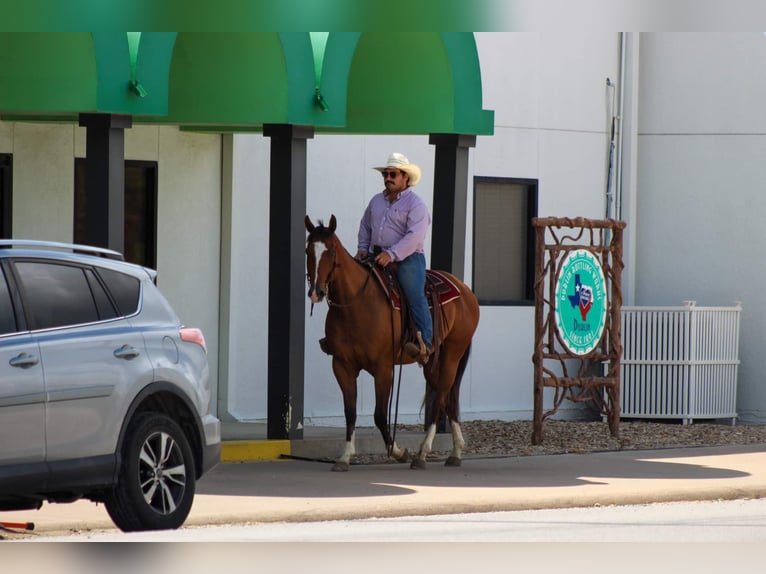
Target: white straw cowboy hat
(399, 161)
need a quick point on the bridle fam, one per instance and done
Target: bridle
(330, 303)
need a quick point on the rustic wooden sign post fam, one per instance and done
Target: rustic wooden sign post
(578, 297)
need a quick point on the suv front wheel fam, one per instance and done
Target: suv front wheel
(155, 487)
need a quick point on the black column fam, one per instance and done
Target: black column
(105, 179)
(450, 201)
(287, 279)
(449, 212)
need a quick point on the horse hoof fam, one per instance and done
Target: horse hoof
(453, 461)
(404, 457)
(340, 467)
(418, 464)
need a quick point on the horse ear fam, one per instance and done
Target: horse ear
(333, 223)
(309, 225)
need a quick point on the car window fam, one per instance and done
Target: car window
(103, 305)
(55, 295)
(124, 289)
(7, 318)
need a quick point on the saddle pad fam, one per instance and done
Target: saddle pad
(435, 281)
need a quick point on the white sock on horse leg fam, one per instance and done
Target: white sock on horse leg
(428, 442)
(349, 451)
(396, 451)
(458, 443)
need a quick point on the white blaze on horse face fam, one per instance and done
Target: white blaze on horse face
(319, 250)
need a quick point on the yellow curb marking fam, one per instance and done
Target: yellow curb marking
(238, 451)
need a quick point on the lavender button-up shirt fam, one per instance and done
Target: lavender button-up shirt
(399, 227)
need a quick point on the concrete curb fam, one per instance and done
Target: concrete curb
(321, 448)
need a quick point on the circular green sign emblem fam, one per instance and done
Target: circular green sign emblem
(581, 302)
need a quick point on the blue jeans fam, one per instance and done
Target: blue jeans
(412, 279)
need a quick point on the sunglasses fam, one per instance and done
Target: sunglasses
(391, 174)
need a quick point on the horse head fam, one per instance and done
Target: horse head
(320, 257)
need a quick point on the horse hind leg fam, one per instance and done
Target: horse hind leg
(443, 397)
(419, 460)
(458, 442)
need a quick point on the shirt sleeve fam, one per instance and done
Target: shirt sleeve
(418, 221)
(364, 234)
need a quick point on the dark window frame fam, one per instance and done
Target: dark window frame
(531, 201)
(6, 195)
(148, 257)
(8, 323)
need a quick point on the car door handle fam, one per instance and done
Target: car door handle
(24, 361)
(126, 352)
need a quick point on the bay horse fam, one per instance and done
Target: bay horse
(364, 332)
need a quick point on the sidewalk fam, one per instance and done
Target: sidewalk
(247, 442)
(303, 490)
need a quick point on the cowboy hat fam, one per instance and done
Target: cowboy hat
(399, 161)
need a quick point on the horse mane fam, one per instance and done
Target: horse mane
(321, 232)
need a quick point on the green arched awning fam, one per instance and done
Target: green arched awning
(409, 83)
(241, 79)
(209, 79)
(59, 75)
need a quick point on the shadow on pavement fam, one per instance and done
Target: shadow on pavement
(299, 478)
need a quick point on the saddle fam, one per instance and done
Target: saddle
(439, 291)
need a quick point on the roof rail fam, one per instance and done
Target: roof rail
(73, 247)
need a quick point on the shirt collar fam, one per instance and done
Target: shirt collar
(398, 196)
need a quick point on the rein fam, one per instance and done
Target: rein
(331, 303)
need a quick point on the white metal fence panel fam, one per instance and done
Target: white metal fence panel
(679, 362)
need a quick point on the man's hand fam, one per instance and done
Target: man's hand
(361, 254)
(383, 259)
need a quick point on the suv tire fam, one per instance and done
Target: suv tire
(156, 482)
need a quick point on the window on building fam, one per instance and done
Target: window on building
(503, 240)
(140, 210)
(6, 195)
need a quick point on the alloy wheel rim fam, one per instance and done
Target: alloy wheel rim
(162, 473)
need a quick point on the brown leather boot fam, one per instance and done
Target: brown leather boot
(412, 350)
(418, 351)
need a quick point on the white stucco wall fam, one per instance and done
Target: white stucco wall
(188, 234)
(550, 100)
(701, 180)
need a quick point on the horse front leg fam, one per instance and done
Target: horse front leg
(346, 378)
(383, 386)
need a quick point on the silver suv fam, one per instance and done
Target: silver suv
(104, 394)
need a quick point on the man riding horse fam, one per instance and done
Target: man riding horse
(393, 228)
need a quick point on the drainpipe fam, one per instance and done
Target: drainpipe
(620, 108)
(614, 165)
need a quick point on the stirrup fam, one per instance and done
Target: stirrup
(418, 351)
(412, 350)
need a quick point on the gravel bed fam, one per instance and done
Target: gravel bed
(514, 438)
